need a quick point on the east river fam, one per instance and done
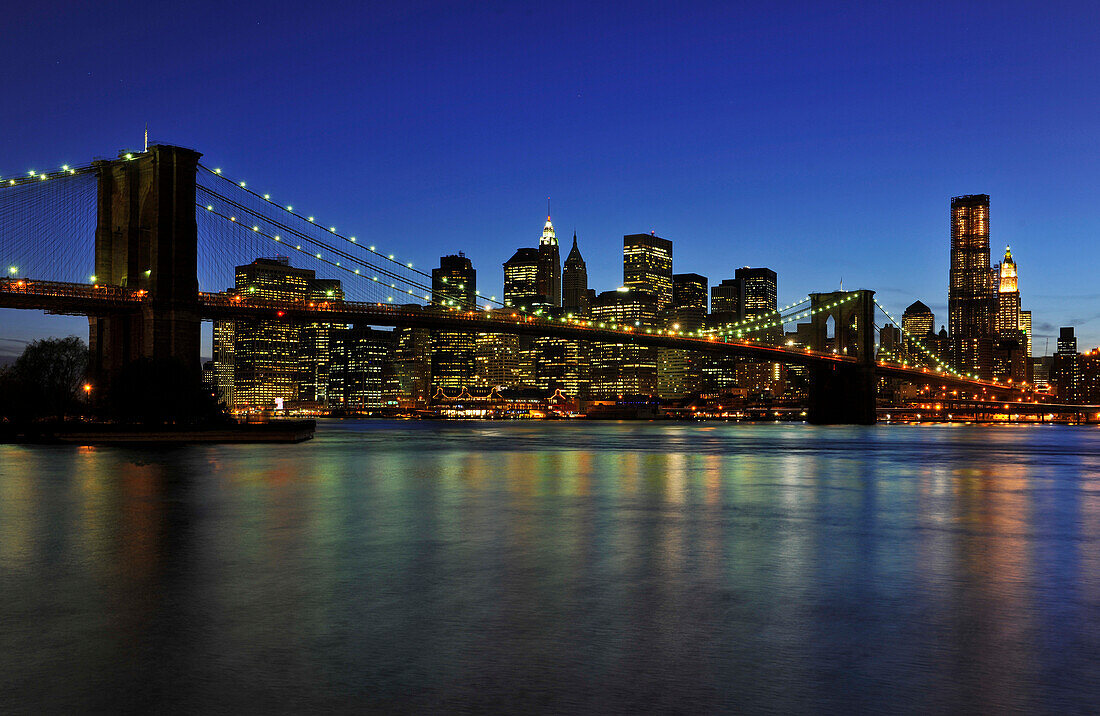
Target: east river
(558, 567)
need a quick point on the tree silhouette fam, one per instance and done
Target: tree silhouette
(46, 381)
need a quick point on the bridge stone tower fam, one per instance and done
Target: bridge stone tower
(844, 393)
(146, 238)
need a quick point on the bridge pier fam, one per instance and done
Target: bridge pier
(146, 238)
(844, 393)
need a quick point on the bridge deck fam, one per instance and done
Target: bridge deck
(83, 299)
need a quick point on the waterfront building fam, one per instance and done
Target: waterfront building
(647, 266)
(679, 372)
(413, 367)
(1065, 372)
(548, 275)
(266, 357)
(623, 369)
(224, 362)
(574, 282)
(361, 377)
(314, 344)
(454, 285)
(496, 360)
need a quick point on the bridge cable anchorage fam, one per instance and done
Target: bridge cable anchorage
(266, 198)
(313, 256)
(313, 241)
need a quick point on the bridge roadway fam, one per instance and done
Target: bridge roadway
(92, 300)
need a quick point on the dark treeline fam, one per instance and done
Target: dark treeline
(50, 382)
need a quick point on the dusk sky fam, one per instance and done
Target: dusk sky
(821, 140)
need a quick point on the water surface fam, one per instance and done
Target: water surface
(556, 567)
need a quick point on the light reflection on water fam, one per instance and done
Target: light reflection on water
(556, 567)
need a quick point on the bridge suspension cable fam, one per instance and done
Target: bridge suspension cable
(47, 225)
(322, 241)
(255, 229)
(302, 236)
(744, 324)
(940, 363)
(243, 186)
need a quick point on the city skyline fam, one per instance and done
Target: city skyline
(732, 130)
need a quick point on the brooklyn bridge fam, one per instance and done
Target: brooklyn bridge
(142, 244)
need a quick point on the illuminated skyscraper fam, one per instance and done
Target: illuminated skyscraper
(361, 369)
(521, 280)
(917, 322)
(1008, 296)
(759, 292)
(624, 369)
(454, 284)
(1066, 371)
(548, 279)
(647, 266)
(224, 361)
(266, 360)
(679, 372)
(969, 288)
(574, 281)
(315, 344)
(970, 296)
(1025, 326)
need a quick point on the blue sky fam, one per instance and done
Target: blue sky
(823, 140)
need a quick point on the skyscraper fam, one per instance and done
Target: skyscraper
(521, 279)
(689, 290)
(679, 372)
(759, 291)
(548, 280)
(917, 322)
(1066, 371)
(574, 281)
(970, 296)
(647, 266)
(622, 369)
(224, 362)
(314, 344)
(361, 370)
(969, 288)
(1008, 296)
(266, 366)
(454, 284)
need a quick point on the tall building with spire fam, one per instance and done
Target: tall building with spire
(574, 281)
(1010, 353)
(1008, 295)
(548, 279)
